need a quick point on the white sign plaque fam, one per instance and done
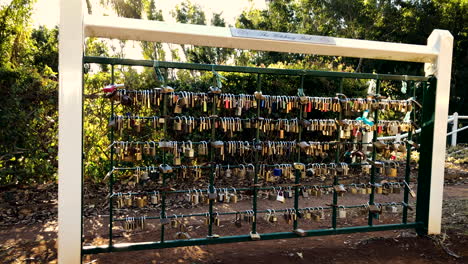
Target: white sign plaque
(259, 34)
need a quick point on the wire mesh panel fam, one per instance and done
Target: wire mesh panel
(212, 165)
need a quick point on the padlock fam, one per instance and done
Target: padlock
(217, 144)
(288, 193)
(378, 188)
(128, 201)
(154, 199)
(177, 160)
(167, 89)
(280, 197)
(164, 221)
(258, 95)
(212, 195)
(272, 196)
(189, 151)
(393, 172)
(195, 197)
(214, 90)
(165, 168)
(203, 148)
(177, 124)
(178, 110)
(238, 220)
(175, 222)
(277, 172)
(339, 188)
(375, 209)
(341, 212)
(140, 202)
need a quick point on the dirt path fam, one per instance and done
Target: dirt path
(35, 243)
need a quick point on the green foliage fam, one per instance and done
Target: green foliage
(14, 31)
(127, 8)
(28, 136)
(153, 50)
(189, 13)
(45, 52)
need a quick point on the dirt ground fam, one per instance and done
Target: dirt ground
(28, 235)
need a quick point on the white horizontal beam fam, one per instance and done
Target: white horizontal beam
(200, 35)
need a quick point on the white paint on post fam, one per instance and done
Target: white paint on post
(71, 39)
(442, 41)
(454, 129)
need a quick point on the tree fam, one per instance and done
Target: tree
(45, 52)
(14, 31)
(153, 50)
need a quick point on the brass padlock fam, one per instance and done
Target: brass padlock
(178, 108)
(175, 222)
(378, 188)
(178, 124)
(203, 148)
(177, 160)
(189, 151)
(393, 170)
(140, 202)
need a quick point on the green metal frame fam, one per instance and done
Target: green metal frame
(423, 177)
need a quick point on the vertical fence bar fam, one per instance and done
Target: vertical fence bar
(298, 172)
(213, 168)
(337, 159)
(424, 174)
(111, 177)
(408, 162)
(454, 129)
(374, 154)
(163, 194)
(257, 141)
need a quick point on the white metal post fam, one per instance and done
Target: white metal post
(441, 41)
(70, 131)
(454, 129)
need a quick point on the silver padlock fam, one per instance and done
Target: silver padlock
(341, 212)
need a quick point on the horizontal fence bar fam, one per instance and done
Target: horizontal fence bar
(258, 212)
(276, 187)
(243, 69)
(241, 238)
(458, 130)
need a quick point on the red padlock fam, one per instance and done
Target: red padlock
(309, 107)
(111, 88)
(379, 130)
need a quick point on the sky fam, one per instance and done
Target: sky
(46, 12)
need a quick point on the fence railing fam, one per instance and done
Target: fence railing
(453, 119)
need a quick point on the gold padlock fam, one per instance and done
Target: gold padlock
(393, 170)
(177, 160)
(140, 202)
(178, 124)
(378, 188)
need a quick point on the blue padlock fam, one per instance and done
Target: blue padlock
(277, 172)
